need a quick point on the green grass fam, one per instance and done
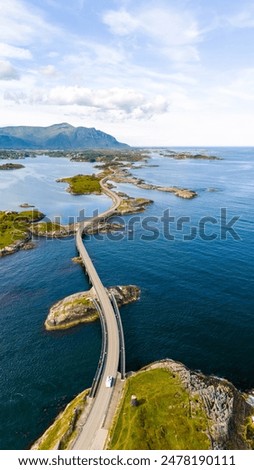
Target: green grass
(249, 432)
(166, 417)
(84, 302)
(45, 227)
(15, 225)
(61, 425)
(83, 184)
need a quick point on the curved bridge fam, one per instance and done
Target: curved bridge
(93, 434)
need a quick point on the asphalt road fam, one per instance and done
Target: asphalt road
(93, 434)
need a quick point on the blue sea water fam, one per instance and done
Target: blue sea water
(197, 298)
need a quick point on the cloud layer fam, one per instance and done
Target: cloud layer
(143, 66)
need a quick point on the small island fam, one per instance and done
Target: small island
(82, 184)
(131, 205)
(79, 308)
(11, 166)
(25, 205)
(189, 155)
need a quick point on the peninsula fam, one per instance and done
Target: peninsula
(15, 231)
(166, 406)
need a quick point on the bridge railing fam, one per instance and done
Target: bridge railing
(121, 336)
(103, 353)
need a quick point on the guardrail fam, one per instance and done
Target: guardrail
(121, 336)
(103, 353)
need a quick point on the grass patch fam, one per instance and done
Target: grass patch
(84, 302)
(166, 417)
(63, 423)
(47, 227)
(14, 226)
(249, 432)
(29, 216)
(83, 184)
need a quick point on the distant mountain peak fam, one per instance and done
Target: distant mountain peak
(61, 125)
(61, 136)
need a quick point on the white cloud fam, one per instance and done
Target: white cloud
(14, 52)
(49, 71)
(173, 28)
(161, 30)
(120, 22)
(114, 102)
(7, 71)
(19, 25)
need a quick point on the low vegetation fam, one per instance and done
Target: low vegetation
(249, 432)
(63, 430)
(46, 228)
(14, 226)
(83, 184)
(166, 416)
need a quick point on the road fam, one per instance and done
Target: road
(93, 434)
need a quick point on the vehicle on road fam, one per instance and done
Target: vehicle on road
(109, 381)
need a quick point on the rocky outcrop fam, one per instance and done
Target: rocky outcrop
(79, 307)
(25, 244)
(52, 230)
(104, 227)
(124, 176)
(226, 408)
(131, 205)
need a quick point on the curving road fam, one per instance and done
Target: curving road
(93, 434)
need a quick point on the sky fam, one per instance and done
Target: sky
(152, 72)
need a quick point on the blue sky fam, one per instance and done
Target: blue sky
(159, 72)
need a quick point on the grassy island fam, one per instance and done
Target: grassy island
(82, 184)
(14, 226)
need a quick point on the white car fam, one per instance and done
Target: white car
(109, 381)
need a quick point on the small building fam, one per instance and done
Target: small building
(134, 400)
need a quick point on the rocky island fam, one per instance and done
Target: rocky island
(79, 308)
(11, 166)
(131, 205)
(189, 155)
(122, 175)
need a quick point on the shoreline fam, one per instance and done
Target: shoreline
(225, 411)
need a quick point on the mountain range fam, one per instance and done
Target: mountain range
(56, 137)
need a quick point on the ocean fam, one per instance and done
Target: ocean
(196, 276)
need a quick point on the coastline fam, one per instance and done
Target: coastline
(222, 414)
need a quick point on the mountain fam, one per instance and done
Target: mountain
(57, 137)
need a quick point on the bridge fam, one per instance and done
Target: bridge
(93, 433)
